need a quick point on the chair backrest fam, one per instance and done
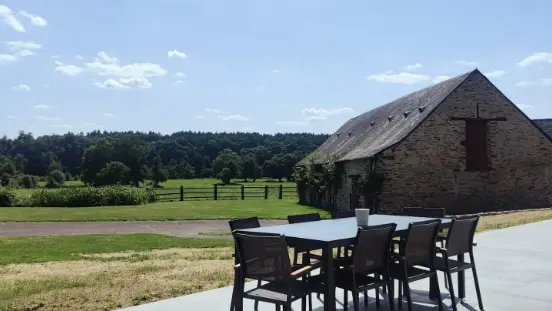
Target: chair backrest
(420, 242)
(245, 223)
(343, 214)
(263, 256)
(295, 219)
(372, 249)
(424, 212)
(460, 235)
(240, 224)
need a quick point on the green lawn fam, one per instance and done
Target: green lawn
(63, 248)
(223, 209)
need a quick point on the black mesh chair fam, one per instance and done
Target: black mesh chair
(295, 219)
(416, 258)
(459, 241)
(265, 257)
(240, 224)
(372, 254)
(343, 251)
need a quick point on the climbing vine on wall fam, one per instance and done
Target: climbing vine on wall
(320, 172)
(371, 185)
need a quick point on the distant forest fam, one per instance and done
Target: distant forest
(132, 157)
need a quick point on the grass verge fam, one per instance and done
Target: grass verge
(230, 209)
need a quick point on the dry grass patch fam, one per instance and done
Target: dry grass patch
(506, 220)
(115, 283)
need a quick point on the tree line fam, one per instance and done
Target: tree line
(105, 158)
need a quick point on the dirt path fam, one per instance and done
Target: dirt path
(183, 228)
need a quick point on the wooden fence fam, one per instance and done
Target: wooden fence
(217, 192)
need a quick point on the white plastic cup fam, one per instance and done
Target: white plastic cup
(362, 216)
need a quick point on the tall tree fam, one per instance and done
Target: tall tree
(230, 160)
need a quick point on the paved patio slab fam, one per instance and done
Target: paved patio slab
(513, 264)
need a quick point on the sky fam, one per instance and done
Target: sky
(258, 65)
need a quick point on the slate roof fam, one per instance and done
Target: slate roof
(382, 127)
(545, 125)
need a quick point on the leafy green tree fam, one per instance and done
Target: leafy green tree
(258, 172)
(230, 160)
(20, 163)
(55, 166)
(207, 173)
(186, 170)
(95, 159)
(249, 165)
(225, 175)
(8, 168)
(55, 179)
(114, 173)
(159, 174)
(28, 181)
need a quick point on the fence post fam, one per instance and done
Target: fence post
(280, 192)
(215, 190)
(181, 193)
(266, 192)
(242, 192)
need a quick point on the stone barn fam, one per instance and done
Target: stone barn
(459, 144)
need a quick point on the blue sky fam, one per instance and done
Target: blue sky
(266, 66)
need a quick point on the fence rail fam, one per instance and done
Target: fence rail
(217, 192)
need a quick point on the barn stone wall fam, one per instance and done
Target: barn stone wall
(429, 168)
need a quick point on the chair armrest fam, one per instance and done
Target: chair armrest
(441, 249)
(302, 271)
(397, 257)
(236, 267)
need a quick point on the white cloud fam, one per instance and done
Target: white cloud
(178, 82)
(7, 58)
(275, 70)
(109, 115)
(413, 66)
(62, 126)
(106, 58)
(138, 82)
(200, 117)
(179, 74)
(79, 57)
(212, 110)
(400, 78)
(7, 17)
(175, 53)
(23, 45)
(525, 107)
(313, 113)
(110, 84)
(36, 20)
(495, 73)
(68, 70)
(11, 117)
(466, 63)
(124, 83)
(49, 119)
(42, 107)
(293, 123)
(438, 79)
(24, 53)
(127, 71)
(21, 87)
(535, 58)
(541, 82)
(234, 117)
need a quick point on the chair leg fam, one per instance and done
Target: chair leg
(295, 257)
(277, 307)
(408, 297)
(345, 300)
(377, 297)
(287, 307)
(400, 294)
(366, 298)
(476, 281)
(355, 300)
(438, 291)
(390, 295)
(450, 285)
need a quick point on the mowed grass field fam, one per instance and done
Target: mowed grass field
(106, 272)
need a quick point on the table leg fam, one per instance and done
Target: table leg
(329, 292)
(461, 280)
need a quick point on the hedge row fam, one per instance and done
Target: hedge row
(84, 197)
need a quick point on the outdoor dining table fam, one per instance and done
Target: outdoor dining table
(334, 233)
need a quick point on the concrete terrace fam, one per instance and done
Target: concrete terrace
(513, 265)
